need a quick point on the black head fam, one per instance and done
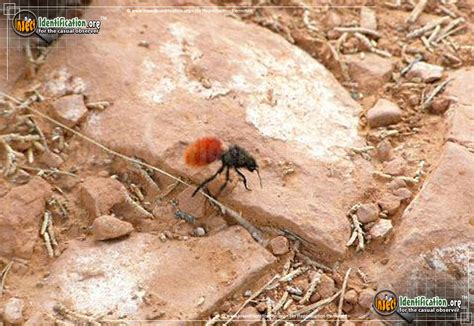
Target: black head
(252, 166)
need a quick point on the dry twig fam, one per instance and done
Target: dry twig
(361, 30)
(445, 31)
(312, 287)
(438, 89)
(75, 316)
(253, 296)
(341, 298)
(428, 27)
(102, 105)
(420, 6)
(313, 263)
(4, 274)
(357, 233)
(315, 307)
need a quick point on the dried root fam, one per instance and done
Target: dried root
(3, 275)
(75, 317)
(341, 298)
(47, 232)
(102, 105)
(312, 287)
(357, 232)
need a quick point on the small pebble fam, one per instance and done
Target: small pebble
(367, 213)
(107, 227)
(384, 150)
(279, 245)
(162, 237)
(396, 184)
(440, 105)
(248, 316)
(315, 298)
(247, 293)
(403, 193)
(51, 159)
(381, 228)
(347, 307)
(13, 311)
(366, 297)
(144, 44)
(351, 296)
(384, 113)
(395, 167)
(368, 18)
(261, 307)
(327, 286)
(426, 72)
(389, 203)
(199, 232)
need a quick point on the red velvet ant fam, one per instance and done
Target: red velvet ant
(209, 149)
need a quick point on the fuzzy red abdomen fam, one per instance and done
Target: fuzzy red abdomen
(203, 151)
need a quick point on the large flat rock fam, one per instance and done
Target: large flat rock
(436, 235)
(213, 75)
(461, 125)
(144, 278)
(461, 85)
(21, 214)
(12, 58)
(461, 114)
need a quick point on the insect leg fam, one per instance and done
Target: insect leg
(243, 178)
(227, 178)
(209, 179)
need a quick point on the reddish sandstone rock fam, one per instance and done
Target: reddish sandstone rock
(395, 166)
(440, 104)
(380, 229)
(384, 113)
(326, 287)
(13, 311)
(435, 230)
(368, 18)
(384, 150)
(389, 203)
(69, 110)
(368, 213)
(366, 298)
(351, 296)
(195, 206)
(426, 72)
(265, 95)
(21, 212)
(461, 85)
(140, 274)
(248, 316)
(13, 68)
(279, 245)
(51, 159)
(396, 183)
(107, 227)
(370, 72)
(460, 125)
(99, 195)
(403, 193)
